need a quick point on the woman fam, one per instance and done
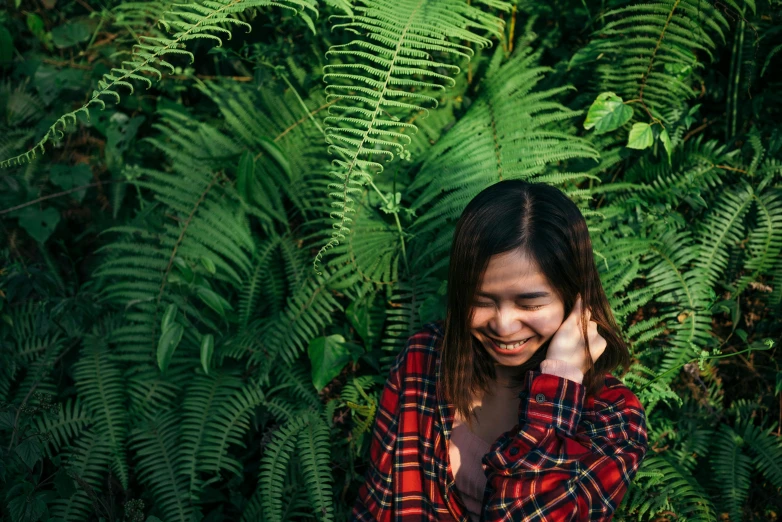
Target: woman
(507, 410)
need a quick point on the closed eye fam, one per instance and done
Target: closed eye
(527, 307)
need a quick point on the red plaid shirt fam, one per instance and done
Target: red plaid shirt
(567, 459)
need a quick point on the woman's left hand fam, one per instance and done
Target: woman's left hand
(568, 342)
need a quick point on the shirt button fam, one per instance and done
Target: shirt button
(540, 398)
(514, 450)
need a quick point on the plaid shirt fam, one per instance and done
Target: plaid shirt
(568, 458)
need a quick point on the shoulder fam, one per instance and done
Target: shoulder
(421, 350)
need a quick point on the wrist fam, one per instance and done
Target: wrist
(562, 369)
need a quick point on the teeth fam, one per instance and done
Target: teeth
(511, 347)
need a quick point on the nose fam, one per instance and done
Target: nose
(506, 322)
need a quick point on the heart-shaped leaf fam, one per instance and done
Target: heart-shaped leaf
(641, 136)
(607, 113)
(328, 356)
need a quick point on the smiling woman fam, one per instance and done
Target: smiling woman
(507, 409)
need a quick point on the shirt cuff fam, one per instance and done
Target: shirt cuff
(562, 369)
(551, 400)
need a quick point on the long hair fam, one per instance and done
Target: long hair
(541, 221)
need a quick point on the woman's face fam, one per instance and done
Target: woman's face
(514, 302)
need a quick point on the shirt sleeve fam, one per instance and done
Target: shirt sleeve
(562, 462)
(375, 495)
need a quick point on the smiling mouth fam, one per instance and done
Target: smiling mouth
(509, 346)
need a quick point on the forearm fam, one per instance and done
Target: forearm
(556, 465)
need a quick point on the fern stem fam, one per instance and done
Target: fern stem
(370, 126)
(398, 226)
(176, 247)
(645, 77)
(709, 357)
(304, 105)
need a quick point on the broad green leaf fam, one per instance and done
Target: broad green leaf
(641, 136)
(666, 141)
(328, 356)
(207, 349)
(71, 33)
(607, 113)
(169, 340)
(245, 177)
(7, 420)
(184, 268)
(25, 504)
(39, 223)
(358, 315)
(209, 265)
(30, 450)
(168, 317)
(213, 300)
(68, 177)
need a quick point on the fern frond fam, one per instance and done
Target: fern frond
(203, 401)
(314, 459)
(276, 456)
(766, 448)
(155, 443)
(190, 21)
(287, 334)
(765, 240)
(732, 469)
(385, 77)
(686, 497)
(722, 229)
(227, 427)
(100, 384)
(70, 423)
(87, 461)
(647, 52)
(510, 131)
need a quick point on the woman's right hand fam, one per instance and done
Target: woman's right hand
(568, 343)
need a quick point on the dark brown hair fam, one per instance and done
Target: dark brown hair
(541, 221)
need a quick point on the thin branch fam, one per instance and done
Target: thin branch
(58, 194)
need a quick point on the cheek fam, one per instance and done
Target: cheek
(547, 321)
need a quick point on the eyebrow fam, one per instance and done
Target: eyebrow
(528, 295)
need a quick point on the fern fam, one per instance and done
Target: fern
(226, 427)
(99, 382)
(159, 465)
(722, 229)
(314, 458)
(509, 132)
(203, 227)
(71, 421)
(679, 491)
(766, 449)
(204, 399)
(647, 52)
(732, 469)
(86, 461)
(386, 76)
(205, 20)
(276, 457)
(765, 241)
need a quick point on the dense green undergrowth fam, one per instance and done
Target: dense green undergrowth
(221, 221)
